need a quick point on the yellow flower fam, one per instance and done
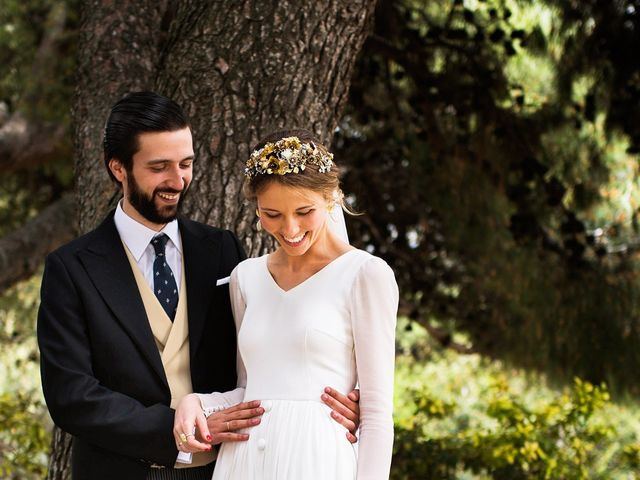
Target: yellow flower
(265, 163)
(282, 167)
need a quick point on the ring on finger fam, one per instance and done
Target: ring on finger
(189, 435)
(183, 437)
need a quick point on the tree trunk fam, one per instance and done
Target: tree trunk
(244, 71)
(59, 468)
(239, 69)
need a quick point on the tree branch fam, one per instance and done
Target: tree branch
(24, 145)
(22, 251)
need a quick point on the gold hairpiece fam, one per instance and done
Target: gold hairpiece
(287, 155)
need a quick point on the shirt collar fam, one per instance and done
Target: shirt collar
(137, 236)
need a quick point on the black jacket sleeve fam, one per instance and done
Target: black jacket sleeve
(77, 401)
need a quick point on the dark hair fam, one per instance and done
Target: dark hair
(136, 113)
(310, 178)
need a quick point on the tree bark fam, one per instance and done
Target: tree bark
(239, 69)
(59, 468)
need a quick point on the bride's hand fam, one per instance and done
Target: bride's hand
(188, 416)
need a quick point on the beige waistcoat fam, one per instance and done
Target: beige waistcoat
(172, 340)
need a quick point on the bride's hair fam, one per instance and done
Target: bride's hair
(326, 182)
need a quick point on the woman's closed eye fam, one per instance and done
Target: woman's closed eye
(276, 215)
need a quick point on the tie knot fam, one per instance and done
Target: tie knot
(159, 243)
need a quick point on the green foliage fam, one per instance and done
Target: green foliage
(25, 427)
(24, 436)
(495, 183)
(499, 423)
(37, 47)
(37, 78)
(552, 440)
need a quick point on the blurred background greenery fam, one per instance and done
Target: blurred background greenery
(493, 148)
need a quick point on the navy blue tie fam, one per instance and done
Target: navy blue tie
(164, 282)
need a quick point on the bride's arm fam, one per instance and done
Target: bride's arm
(374, 310)
(224, 411)
(212, 402)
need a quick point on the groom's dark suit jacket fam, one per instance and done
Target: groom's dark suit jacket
(102, 375)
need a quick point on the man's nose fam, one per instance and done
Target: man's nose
(176, 178)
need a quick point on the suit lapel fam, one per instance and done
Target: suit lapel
(106, 263)
(201, 266)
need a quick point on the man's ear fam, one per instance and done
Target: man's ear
(117, 169)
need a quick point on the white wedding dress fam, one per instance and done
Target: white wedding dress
(337, 328)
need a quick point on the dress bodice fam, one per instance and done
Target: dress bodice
(294, 343)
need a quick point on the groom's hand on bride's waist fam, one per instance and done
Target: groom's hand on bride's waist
(222, 426)
(345, 409)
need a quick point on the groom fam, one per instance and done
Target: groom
(136, 313)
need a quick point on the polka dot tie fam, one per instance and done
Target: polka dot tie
(164, 282)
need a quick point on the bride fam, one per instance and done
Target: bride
(315, 312)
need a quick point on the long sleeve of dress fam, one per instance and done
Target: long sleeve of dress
(374, 310)
(215, 400)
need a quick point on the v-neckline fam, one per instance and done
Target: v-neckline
(306, 280)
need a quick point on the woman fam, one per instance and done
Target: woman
(315, 312)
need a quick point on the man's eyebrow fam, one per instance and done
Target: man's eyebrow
(165, 160)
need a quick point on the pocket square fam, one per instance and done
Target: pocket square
(222, 281)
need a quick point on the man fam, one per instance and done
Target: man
(136, 314)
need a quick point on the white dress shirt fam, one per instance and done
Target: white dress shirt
(137, 237)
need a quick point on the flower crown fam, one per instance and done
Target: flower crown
(287, 155)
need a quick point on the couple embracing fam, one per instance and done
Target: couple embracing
(150, 307)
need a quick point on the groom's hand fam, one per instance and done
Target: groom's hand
(222, 426)
(344, 409)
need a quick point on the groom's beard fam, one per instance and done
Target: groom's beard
(146, 206)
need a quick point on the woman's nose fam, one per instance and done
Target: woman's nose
(290, 227)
